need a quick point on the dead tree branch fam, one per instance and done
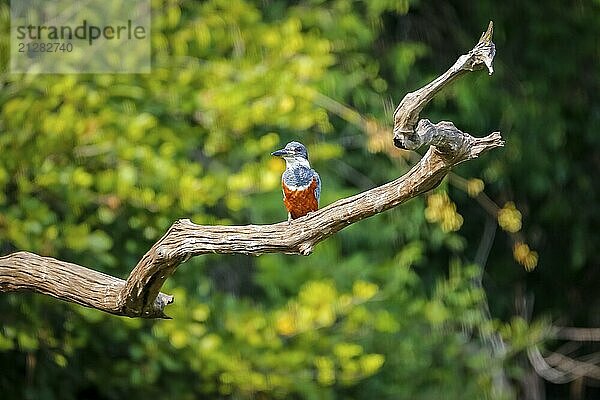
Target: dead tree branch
(407, 113)
(576, 334)
(559, 368)
(140, 296)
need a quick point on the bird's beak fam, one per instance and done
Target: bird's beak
(280, 153)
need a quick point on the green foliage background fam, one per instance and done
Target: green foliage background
(94, 169)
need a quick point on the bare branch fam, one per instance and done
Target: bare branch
(70, 282)
(576, 334)
(575, 367)
(559, 368)
(546, 371)
(139, 295)
(407, 112)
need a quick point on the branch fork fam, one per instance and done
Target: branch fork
(407, 113)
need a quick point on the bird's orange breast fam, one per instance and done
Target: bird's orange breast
(300, 202)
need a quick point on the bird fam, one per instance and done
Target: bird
(300, 183)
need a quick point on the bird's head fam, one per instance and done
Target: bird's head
(294, 153)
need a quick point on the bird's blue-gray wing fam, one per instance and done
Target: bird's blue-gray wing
(318, 189)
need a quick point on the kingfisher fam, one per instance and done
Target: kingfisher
(300, 183)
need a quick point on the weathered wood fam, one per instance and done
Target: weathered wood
(139, 295)
(407, 112)
(70, 282)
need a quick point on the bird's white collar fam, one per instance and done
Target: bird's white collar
(292, 162)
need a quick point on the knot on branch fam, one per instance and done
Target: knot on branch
(445, 136)
(161, 301)
(452, 144)
(162, 253)
(306, 248)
